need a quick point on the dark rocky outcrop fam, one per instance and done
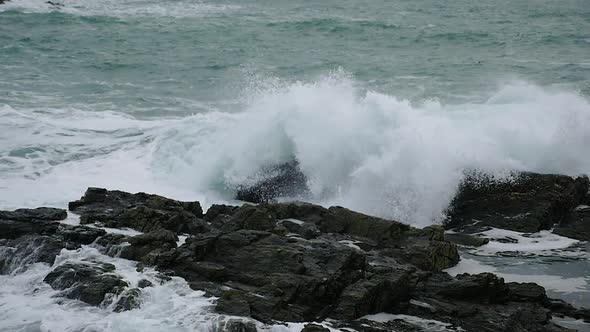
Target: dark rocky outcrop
(530, 203)
(314, 328)
(88, 282)
(284, 180)
(33, 235)
(300, 262)
(576, 225)
(142, 212)
(129, 300)
(143, 247)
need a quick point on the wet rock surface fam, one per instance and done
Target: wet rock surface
(529, 203)
(284, 180)
(141, 212)
(88, 282)
(576, 225)
(299, 262)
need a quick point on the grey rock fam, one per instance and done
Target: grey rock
(530, 203)
(88, 282)
(284, 180)
(130, 299)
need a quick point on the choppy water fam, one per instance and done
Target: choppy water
(384, 103)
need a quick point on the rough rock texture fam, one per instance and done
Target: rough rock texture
(142, 212)
(576, 225)
(285, 180)
(314, 328)
(144, 247)
(32, 235)
(296, 262)
(129, 300)
(88, 282)
(530, 203)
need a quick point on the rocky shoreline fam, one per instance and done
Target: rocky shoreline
(299, 262)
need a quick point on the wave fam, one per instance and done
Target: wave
(361, 149)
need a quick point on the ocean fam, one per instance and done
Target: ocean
(385, 104)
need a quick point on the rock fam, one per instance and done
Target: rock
(305, 230)
(576, 225)
(142, 212)
(524, 292)
(14, 224)
(19, 253)
(129, 300)
(236, 325)
(530, 203)
(217, 210)
(314, 328)
(88, 282)
(42, 213)
(378, 294)
(152, 243)
(295, 262)
(80, 234)
(285, 180)
(144, 283)
(233, 303)
(479, 288)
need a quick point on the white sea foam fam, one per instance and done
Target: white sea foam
(502, 240)
(551, 282)
(364, 150)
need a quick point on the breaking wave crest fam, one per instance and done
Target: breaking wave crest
(365, 150)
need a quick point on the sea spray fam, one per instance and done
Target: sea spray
(368, 151)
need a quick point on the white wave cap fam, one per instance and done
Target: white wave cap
(364, 150)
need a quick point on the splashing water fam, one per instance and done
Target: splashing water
(364, 150)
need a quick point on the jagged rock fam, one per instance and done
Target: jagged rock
(142, 246)
(217, 210)
(144, 283)
(142, 212)
(80, 234)
(530, 203)
(28, 249)
(234, 303)
(295, 262)
(285, 180)
(479, 288)
(576, 225)
(129, 300)
(235, 325)
(88, 282)
(314, 328)
(526, 292)
(14, 224)
(305, 230)
(378, 294)
(41, 213)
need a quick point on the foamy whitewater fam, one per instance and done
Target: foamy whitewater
(364, 150)
(386, 105)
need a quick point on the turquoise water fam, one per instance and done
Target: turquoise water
(151, 58)
(385, 104)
